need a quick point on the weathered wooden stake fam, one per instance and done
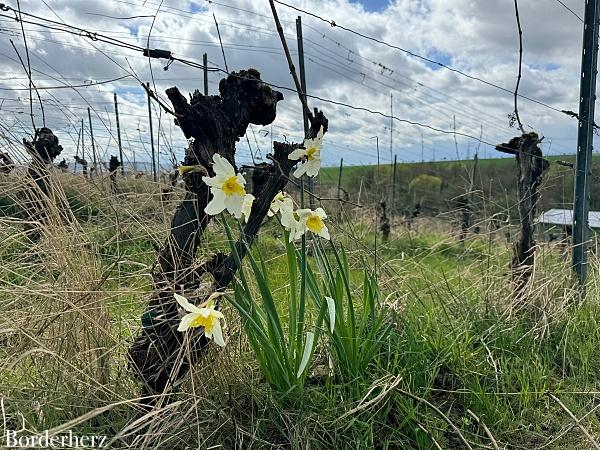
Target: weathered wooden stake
(154, 173)
(77, 150)
(339, 189)
(95, 167)
(84, 166)
(119, 136)
(391, 125)
(394, 180)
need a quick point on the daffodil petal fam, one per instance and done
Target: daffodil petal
(222, 166)
(297, 154)
(241, 179)
(205, 312)
(218, 335)
(321, 213)
(299, 232)
(185, 304)
(302, 213)
(324, 233)
(301, 170)
(186, 321)
(234, 204)
(287, 219)
(216, 181)
(313, 167)
(217, 204)
(247, 206)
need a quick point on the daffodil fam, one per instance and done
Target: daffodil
(309, 220)
(310, 156)
(227, 189)
(280, 203)
(205, 316)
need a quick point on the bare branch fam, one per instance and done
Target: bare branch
(520, 64)
(587, 434)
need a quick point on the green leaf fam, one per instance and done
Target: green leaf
(308, 348)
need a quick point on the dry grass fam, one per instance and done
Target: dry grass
(71, 297)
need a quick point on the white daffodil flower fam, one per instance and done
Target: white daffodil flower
(247, 206)
(205, 316)
(227, 189)
(280, 204)
(309, 220)
(310, 155)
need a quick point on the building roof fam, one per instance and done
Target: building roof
(565, 217)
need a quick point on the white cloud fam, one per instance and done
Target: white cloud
(478, 37)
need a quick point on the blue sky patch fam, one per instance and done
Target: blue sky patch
(373, 5)
(128, 91)
(549, 67)
(444, 58)
(197, 8)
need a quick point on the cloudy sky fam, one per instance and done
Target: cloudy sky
(477, 37)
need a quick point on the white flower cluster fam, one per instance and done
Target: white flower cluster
(298, 221)
(310, 156)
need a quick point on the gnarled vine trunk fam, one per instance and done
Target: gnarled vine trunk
(530, 169)
(43, 150)
(212, 124)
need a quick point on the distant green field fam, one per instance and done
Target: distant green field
(494, 186)
(354, 172)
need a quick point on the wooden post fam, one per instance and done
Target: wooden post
(585, 134)
(205, 64)
(391, 125)
(93, 144)
(119, 135)
(339, 189)
(85, 169)
(154, 173)
(394, 179)
(454, 134)
(77, 151)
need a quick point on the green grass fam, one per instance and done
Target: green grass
(457, 342)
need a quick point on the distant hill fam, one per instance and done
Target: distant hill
(495, 188)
